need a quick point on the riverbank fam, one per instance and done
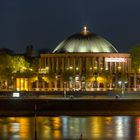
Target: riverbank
(68, 106)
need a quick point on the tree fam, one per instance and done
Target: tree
(107, 75)
(135, 55)
(19, 64)
(15, 65)
(5, 69)
(21, 68)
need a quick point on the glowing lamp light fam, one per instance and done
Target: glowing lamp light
(71, 67)
(106, 68)
(77, 68)
(47, 68)
(85, 29)
(95, 68)
(16, 94)
(77, 78)
(119, 67)
(101, 68)
(119, 82)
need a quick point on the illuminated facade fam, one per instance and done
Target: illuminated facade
(85, 61)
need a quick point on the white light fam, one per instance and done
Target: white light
(71, 67)
(120, 82)
(47, 68)
(16, 94)
(106, 68)
(115, 59)
(77, 78)
(18, 89)
(77, 68)
(95, 67)
(85, 29)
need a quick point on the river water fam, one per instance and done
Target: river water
(70, 128)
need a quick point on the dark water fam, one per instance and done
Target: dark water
(66, 127)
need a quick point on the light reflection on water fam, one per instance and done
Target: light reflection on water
(67, 127)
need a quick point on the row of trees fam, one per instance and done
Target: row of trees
(16, 65)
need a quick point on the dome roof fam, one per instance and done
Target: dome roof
(85, 42)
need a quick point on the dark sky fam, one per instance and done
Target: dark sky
(45, 23)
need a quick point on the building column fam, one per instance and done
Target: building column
(80, 65)
(128, 81)
(49, 85)
(37, 84)
(135, 81)
(62, 65)
(61, 85)
(55, 84)
(43, 85)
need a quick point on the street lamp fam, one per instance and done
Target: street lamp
(121, 85)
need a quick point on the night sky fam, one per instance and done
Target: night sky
(45, 23)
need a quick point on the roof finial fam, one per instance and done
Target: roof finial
(85, 31)
(85, 28)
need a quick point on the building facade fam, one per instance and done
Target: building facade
(85, 71)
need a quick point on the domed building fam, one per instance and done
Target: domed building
(85, 61)
(85, 42)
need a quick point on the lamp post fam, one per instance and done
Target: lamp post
(121, 86)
